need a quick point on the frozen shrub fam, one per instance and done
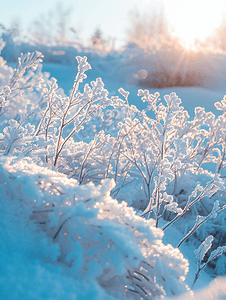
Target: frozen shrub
(64, 161)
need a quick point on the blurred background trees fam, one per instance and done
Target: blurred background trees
(145, 29)
(54, 28)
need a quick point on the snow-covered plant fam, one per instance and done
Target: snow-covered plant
(200, 220)
(221, 135)
(201, 252)
(207, 138)
(157, 149)
(4, 101)
(199, 192)
(83, 106)
(20, 81)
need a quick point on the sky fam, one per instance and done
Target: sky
(190, 19)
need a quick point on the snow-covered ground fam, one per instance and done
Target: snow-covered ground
(191, 96)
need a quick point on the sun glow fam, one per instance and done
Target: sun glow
(194, 18)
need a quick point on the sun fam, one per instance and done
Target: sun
(194, 18)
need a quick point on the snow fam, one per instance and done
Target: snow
(191, 96)
(24, 271)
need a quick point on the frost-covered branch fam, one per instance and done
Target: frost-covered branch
(201, 220)
(201, 252)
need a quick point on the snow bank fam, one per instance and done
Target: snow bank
(51, 226)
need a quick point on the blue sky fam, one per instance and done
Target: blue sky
(189, 18)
